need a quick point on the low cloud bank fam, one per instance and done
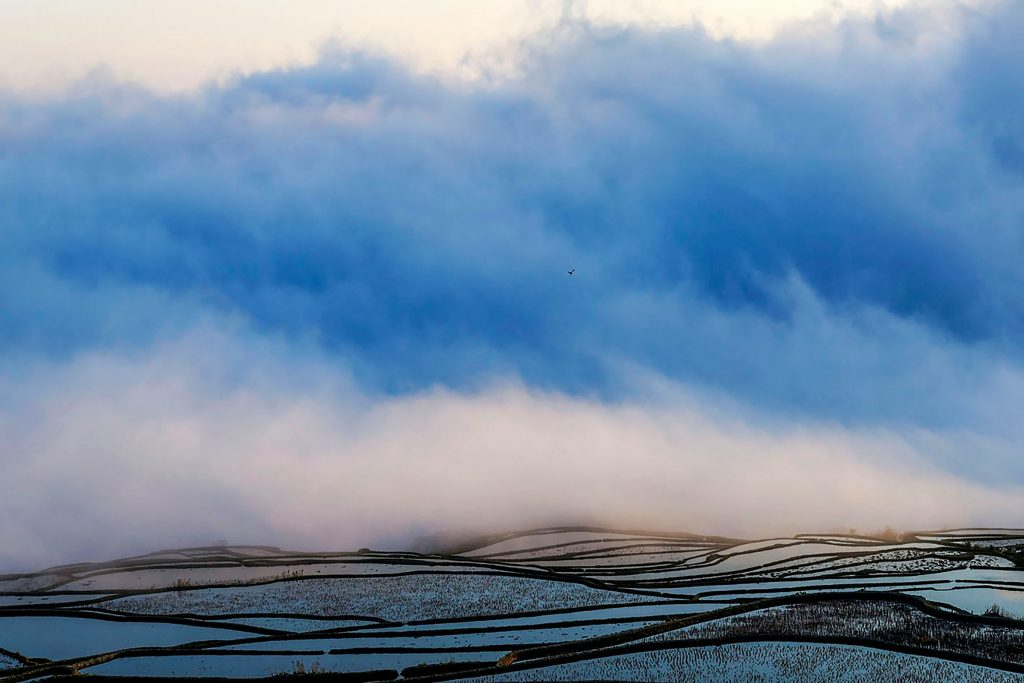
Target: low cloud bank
(213, 438)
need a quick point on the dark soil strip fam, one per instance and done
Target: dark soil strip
(509, 555)
(494, 569)
(619, 643)
(484, 541)
(753, 573)
(426, 674)
(677, 623)
(376, 622)
(371, 622)
(626, 642)
(348, 634)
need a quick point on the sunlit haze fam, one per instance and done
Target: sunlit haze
(180, 44)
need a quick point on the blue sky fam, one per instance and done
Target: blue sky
(804, 249)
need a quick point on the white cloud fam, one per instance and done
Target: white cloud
(215, 436)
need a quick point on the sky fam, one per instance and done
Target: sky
(179, 45)
(301, 277)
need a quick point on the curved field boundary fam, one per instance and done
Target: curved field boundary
(1016, 532)
(443, 673)
(480, 542)
(511, 571)
(509, 555)
(517, 570)
(624, 642)
(730, 593)
(379, 623)
(627, 642)
(755, 574)
(220, 562)
(795, 562)
(371, 622)
(808, 559)
(137, 618)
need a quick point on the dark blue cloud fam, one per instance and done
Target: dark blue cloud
(993, 86)
(828, 224)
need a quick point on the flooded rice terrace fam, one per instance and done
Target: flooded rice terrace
(554, 604)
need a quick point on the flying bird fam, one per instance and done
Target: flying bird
(572, 271)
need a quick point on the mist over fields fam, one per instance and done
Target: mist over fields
(328, 305)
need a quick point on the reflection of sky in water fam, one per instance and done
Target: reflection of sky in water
(977, 600)
(235, 666)
(66, 637)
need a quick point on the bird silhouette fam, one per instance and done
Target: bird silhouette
(572, 272)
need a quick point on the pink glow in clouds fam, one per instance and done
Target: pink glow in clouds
(123, 455)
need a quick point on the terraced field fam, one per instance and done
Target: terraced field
(554, 604)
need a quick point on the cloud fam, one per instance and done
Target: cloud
(216, 436)
(821, 232)
(396, 218)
